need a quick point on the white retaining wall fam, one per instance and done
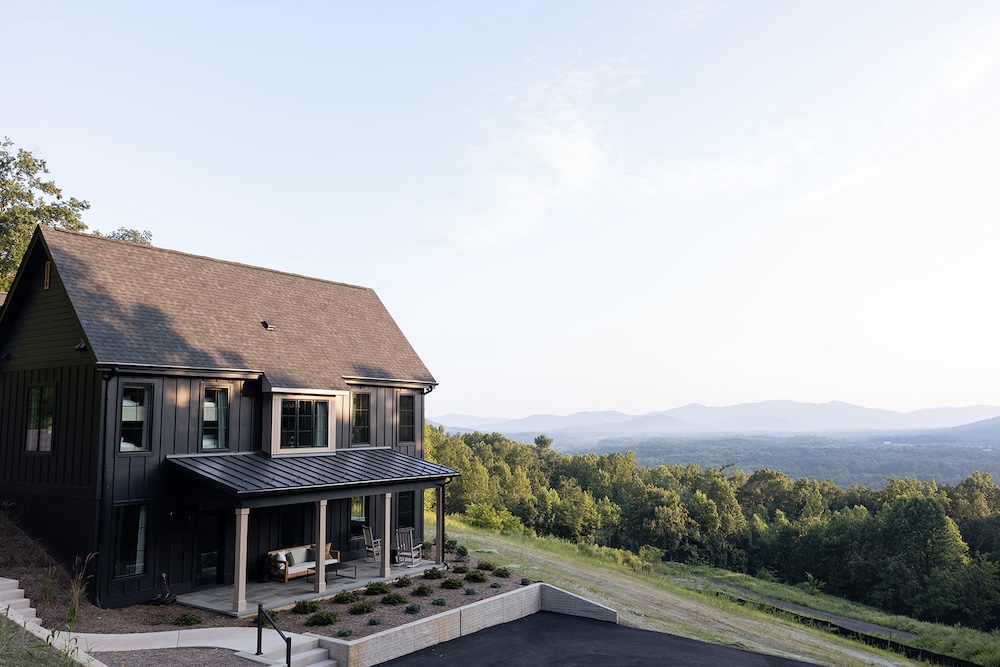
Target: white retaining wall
(466, 620)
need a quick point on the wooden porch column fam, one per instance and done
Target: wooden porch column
(240, 554)
(439, 530)
(386, 526)
(320, 551)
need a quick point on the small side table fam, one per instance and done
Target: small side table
(337, 568)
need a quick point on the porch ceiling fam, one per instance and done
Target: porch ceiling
(254, 475)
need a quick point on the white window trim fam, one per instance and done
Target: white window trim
(273, 444)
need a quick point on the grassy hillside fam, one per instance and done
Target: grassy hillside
(675, 599)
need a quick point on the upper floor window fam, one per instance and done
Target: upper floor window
(215, 418)
(41, 415)
(361, 421)
(407, 419)
(137, 415)
(304, 423)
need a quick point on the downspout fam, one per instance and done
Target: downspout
(106, 376)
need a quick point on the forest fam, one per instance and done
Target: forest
(843, 460)
(912, 547)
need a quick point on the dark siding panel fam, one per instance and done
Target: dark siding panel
(74, 445)
(45, 330)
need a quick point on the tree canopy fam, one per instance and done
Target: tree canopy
(914, 547)
(27, 199)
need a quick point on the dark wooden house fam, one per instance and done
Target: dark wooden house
(182, 415)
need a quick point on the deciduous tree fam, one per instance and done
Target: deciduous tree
(27, 199)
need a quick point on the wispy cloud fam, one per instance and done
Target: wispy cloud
(538, 148)
(972, 58)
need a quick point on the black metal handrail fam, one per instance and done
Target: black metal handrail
(261, 615)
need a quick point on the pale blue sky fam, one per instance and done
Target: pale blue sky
(566, 205)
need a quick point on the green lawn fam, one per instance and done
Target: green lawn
(20, 648)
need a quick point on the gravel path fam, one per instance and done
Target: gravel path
(842, 621)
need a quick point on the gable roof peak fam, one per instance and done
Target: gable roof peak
(151, 306)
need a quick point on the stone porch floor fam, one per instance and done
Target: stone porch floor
(275, 594)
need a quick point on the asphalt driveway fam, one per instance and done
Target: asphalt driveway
(548, 638)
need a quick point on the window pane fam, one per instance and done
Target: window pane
(305, 424)
(41, 414)
(358, 516)
(404, 512)
(34, 417)
(360, 433)
(130, 546)
(136, 415)
(215, 419)
(322, 419)
(47, 417)
(287, 423)
(407, 423)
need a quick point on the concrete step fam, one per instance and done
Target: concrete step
(11, 594)
(309, 658)
(304, 654)
(18, 605)
(12, 597)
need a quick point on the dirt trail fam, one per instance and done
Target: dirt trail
(643, 604)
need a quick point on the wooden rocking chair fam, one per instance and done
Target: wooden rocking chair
(406, 550)
(373, 545)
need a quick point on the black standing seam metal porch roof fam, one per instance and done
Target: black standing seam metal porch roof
(254, 474)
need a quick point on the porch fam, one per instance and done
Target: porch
(275, 594)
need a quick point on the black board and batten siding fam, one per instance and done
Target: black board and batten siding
(142, 477)
(41, 348)
(384, 425)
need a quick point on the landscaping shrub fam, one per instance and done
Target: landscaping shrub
(476, 576)
(412, 608)
(306, 607)
(323, 618)
(365, 607)
(501, 572)
(421, 591)
(188, 618)
(374, 620)
(377, 588)
(470, 591)
(460, 569)
(438, 602)
(486, 565)
(346, 632)
(403, 582)
(433, 573)
(452, 584)
(347, 597)
(394, 598)
(495, 584)
(450, 545)
(525, 581)
(462, 552)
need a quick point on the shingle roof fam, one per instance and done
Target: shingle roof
(151, 306)
(253, 473)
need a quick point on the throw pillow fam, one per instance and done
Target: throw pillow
(290, 558)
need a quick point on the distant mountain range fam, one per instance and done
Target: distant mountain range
(772, 417)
